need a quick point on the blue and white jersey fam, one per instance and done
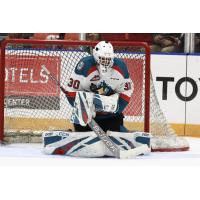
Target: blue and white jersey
(86, 77)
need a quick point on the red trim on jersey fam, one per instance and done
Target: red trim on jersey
(125, 97)
(71, 94)
(92, 69)
(118, 69)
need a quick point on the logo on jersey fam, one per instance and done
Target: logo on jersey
(95, 78)
(80, 65)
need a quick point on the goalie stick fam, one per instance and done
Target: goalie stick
(116, 151)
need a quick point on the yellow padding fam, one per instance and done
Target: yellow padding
(62, 124)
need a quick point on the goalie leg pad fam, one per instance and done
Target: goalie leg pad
(52, 137)
(77, 144)
(127, 141)
(87, 144)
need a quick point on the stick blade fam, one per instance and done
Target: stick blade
(132, 153)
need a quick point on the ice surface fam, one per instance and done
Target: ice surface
(15, 153)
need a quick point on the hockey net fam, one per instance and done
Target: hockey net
(34, 104)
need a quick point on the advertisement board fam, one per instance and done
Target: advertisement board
(193, 94)
(26, 83)
(177, 81)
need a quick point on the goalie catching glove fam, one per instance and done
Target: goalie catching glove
(86, 104)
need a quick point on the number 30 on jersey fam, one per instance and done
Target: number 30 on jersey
(74, 83)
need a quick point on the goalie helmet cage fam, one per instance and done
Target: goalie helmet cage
(31, 103)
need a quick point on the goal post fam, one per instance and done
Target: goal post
(31, 103)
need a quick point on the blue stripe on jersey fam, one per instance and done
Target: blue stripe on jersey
(121, 105)
(71, 100)
(121, 64)
(84, 65)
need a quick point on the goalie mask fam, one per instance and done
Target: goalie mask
(104, 55)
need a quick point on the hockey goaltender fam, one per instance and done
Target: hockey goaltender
(99, 89)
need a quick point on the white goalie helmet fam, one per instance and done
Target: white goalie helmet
(104, 55)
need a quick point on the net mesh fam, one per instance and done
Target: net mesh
(34, 103)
